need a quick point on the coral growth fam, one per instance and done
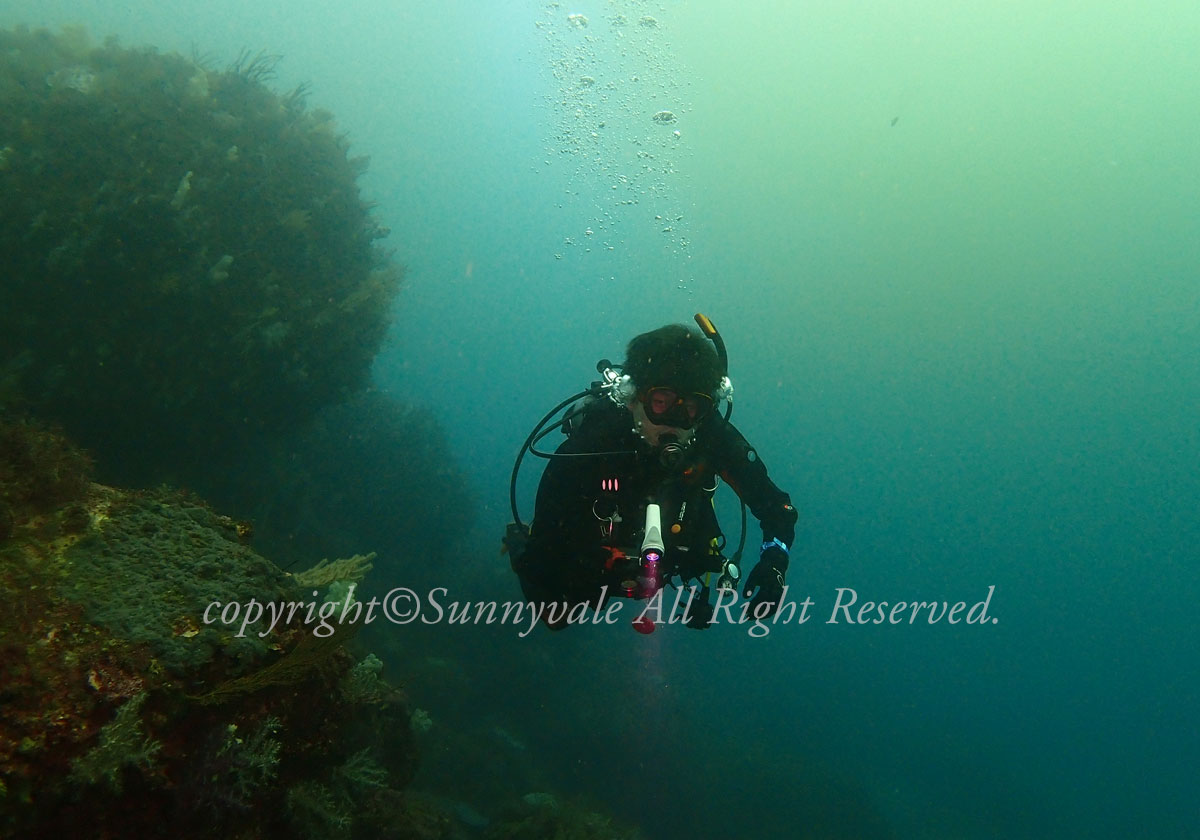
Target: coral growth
(122, 744)
(362, 683)
(244, 764)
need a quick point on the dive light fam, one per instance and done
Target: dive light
(653, 548)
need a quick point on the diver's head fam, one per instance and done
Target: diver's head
(658, 434)
(675, 372)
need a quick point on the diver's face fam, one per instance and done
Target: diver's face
(652, 432)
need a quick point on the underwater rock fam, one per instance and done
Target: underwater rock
(187, 256)
(122, 704)
(40, 471)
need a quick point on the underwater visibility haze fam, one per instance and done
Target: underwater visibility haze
(953, 251)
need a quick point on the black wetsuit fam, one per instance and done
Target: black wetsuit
(590, 516)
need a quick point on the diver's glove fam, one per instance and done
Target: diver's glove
(767, 577)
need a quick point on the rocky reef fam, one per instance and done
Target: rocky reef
(128, 711)
(187, 256)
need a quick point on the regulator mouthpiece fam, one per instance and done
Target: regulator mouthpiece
(671, 451)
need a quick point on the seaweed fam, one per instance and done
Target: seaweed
(186, 251)
(310, 654)
(255, 67)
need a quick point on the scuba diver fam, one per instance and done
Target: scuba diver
(625, 505)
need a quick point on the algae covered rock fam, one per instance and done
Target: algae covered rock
(187, 257)
(152, 564)
(128, 713)
(39, 471)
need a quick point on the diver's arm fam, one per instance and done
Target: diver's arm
(744, 471)
(741, 468)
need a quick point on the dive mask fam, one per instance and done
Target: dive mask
(667, 407)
